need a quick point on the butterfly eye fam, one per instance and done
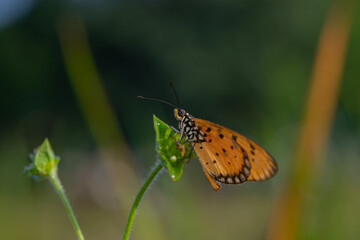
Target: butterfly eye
(181, 112)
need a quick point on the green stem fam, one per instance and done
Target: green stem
(54, 179)
(138, 199)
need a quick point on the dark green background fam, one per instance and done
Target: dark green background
(243, 64)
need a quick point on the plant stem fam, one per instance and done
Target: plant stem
(54, 179)
(138, 199)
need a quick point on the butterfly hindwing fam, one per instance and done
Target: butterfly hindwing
(228, 157)
(216, 186)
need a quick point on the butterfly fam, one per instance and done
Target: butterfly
(225, 155)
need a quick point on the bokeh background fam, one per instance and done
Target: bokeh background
(284, 73)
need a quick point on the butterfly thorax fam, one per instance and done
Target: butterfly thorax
(188, 127)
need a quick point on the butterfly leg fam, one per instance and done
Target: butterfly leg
(187, 160)
(174, 129)
(179, 132)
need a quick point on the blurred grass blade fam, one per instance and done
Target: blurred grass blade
(319, 113)
(94, 104)
(99, 115)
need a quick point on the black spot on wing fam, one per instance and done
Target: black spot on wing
(233, 137)
(244, 152)
(252, 146)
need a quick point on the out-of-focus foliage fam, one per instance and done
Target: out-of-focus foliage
(243, 64)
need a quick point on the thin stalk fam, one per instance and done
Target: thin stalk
(55, 181)
(138, 199)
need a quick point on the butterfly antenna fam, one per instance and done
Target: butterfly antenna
(156, 100)
(173, 88)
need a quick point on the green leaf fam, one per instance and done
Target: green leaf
(43, 162)
(172, 154)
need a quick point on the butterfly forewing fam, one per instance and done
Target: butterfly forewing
(228, 157)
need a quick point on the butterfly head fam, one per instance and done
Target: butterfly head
(179, 113)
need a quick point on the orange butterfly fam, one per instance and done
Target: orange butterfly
(225, 155)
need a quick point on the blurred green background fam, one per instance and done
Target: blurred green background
(71, 71)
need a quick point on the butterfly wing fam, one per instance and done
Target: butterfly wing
(216, 186)
(228, 157)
